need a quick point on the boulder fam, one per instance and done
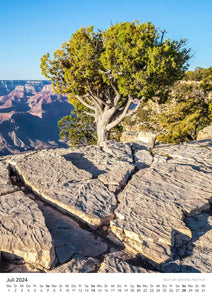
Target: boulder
(142, 156)
(134, 135)
(205, 133)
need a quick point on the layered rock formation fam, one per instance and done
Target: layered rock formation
(122, 208)
(29, 112)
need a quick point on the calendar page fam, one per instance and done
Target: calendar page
(105, 149)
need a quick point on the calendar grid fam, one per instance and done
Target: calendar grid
(91, 284)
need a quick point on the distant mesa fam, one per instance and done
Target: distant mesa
(29, 112)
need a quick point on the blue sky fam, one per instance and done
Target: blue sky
(29, 29)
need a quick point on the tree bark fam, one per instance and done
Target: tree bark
(101, 126)
(107, 116)
(103, 136)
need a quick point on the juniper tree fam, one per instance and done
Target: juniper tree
(112, 72)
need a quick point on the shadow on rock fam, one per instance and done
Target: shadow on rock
(194, 255)
(81, 162)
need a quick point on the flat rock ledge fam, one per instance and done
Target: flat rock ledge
(155, 205)
(156, 201)
(23, 230)
(81, 183)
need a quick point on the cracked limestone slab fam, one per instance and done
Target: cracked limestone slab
(147, 217)
(142, 156)
(118, 150)
(58, 181)
(23, 231)
(190, 180)
(117, 263)
(198, 255)
(112, 165)
(114, 265)
(201, 257)
(47, 166)
(68, 237)
(78, 264)
(197, 154)
(181, 185)
(5, 186)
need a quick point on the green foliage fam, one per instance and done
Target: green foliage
(130, 54)
(126, 61)
(187, 111)
(186, 119)
(200, 74)
(74, 68)
(139, 61)
(78, 128)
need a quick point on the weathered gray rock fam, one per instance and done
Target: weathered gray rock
(69, 239)
(202, 144)
(121, 152)
(205, 133)
(181, 185)
(196, 154)
(5, 185)
(23, 231)
(198, 256)
(52, 175)
(201, 258)
(78, 264)
(153, 204)
(113, 165)
(142, 156)
(116, 263)
(160, 212)
(147, 217)
(117, 177)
